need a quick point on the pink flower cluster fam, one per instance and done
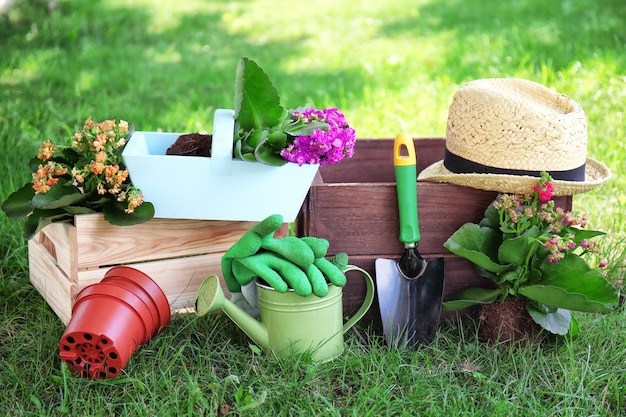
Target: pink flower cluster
(545, 190)
(519, 213)
(323, 146)
(558, 246)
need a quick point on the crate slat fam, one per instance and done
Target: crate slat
(50, 281)
(100, 243)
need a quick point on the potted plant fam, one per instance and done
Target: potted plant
(270, 134)
(88, 176)
(262, 158)
(538, 257)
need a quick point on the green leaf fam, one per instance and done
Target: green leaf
(515, 250)
(277, 140)
(114, 213)
(580, 234)
(41, 218)
(305, 129)
(574, 328)
(61, 194)
(257, 103)
(477, 244)
(491, 218)
(256, 138)
(34, 163)
(266, 155)
(473, 296)
(572, 285)
(17, 204)
(74, 210)
(555, 321)
(558, 297)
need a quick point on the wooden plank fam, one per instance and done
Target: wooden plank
(59, 240)
(373, 161)
(101, 244)
(179, 278)
(362, 218)
(178, 254)
(50, 281)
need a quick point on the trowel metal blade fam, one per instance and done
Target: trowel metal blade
(409, 308)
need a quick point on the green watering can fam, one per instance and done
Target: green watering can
(290, 323)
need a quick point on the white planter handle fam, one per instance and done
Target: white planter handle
(222, 142)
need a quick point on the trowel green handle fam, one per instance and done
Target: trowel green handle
(404, 162)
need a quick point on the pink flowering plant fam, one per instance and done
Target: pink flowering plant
(88, 176)
(270, 134)
(537, 252)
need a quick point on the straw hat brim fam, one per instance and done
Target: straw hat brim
(596, 174)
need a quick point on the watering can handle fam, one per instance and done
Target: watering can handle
(369, 297)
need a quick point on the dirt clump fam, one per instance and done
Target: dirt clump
(191, 144)
(508, 321)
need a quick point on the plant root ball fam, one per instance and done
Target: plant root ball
(191, 144)
(508, 322)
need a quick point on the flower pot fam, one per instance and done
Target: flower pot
(153, 312)
(110, 320)
(145, 288)
(508, 322)
(217, 187)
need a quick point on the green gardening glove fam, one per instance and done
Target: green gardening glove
(260, 239)
(282, 274)
(323, 271)
(290, 262)
(276, 271)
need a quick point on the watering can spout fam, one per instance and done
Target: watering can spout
(210, 297)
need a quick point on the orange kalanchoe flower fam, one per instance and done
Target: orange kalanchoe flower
(46, 149)
(86, 176)
(135, 199)
(46, 176)
(99, 143)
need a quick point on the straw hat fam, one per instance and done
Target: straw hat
(503, 132)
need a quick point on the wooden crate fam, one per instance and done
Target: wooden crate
(177, 254)
(354, 205)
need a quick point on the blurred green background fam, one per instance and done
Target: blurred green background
(391, 67)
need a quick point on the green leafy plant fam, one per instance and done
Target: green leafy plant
(86, 177)
(537, 252)
(270, 134)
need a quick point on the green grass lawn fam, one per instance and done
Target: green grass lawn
(391, 67)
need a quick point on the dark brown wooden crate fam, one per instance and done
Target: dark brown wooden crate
(354, 206)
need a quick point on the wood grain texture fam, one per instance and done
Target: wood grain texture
(354, 206)
(64, 258)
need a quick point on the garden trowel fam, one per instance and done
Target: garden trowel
(410, 290)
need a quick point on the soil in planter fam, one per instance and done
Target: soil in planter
(191, 144)
(508, 322)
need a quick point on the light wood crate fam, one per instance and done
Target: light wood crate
(177, 254)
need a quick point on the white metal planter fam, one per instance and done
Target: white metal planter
(215, 188)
